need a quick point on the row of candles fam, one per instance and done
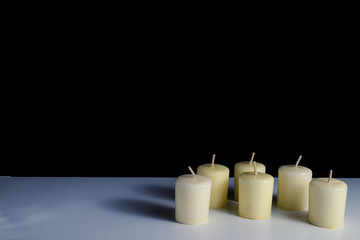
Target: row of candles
(325, 198)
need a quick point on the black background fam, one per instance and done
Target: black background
(159, 133)
(148, 99)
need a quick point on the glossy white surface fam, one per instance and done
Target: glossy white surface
(142, 208)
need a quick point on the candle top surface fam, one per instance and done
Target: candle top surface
(251, 176)
(199, 180)
(217, 168)
(247, 163)
(334, 183)
(293, 169)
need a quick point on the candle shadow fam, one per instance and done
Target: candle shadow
(274, 200)
(231, 193)
(140, 208)
(157, 191)
(300, 216)
(231, 208)
(232, 205)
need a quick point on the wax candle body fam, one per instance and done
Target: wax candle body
(327, 202)
(241, 167)
(192, 199)
(219, 176)
(293, 187)
(255, 195)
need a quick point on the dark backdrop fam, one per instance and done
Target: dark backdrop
(148, 95)
(149, 99)
(131, 131)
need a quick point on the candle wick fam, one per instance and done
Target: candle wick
(330, 176)
(298, 161)
(194, 175)
(252, 158)
(255, 169)
(213, 161)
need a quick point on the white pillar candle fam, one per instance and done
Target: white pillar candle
(192, 198)
(245, 166)
(219, 176)
(255, 194)
(327, 200)
(293, 187)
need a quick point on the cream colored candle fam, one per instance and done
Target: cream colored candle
(327, 200)
(192, 198)
(219, 176)
(255, 195)
(293, 187)
(245, 166)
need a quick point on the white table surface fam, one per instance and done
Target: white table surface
(142, 208)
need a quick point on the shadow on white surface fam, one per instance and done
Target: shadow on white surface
(299, 216)
(231, 193)
(231, 208)
(140, 208)
(22, 217)
(157, 191)
(274, 200)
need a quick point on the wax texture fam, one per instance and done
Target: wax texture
(327, 202)
(192, 199)
(293, 187)
(255, 195)
(241, 167)
(219, 176)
